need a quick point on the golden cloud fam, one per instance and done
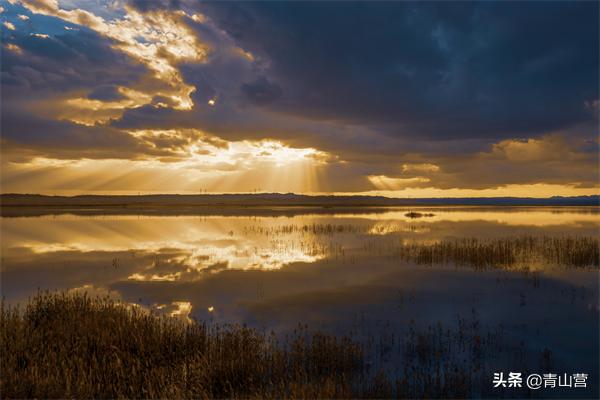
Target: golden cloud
(546, 148)
(422, 168)
(184, 161)
(157, 39)
(383, 182)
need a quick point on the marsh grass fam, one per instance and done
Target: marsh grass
(496, 252)
(71, 345)
(523, 251)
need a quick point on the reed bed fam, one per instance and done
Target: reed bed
(496, 252)
(70, 345)
(73, 346)
(521, 252)
(316, 229)
(524, 251)
(306, 229)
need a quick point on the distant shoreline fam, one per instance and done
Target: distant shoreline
(19, 205)
(277, 200)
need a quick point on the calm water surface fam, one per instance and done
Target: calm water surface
(330, 271)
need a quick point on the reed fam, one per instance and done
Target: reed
(74, 346)
(70, 345)
(520, 252)
(523, 251)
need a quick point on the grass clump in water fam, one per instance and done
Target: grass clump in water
(575, 252)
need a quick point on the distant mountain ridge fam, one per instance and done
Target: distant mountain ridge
(278, 199)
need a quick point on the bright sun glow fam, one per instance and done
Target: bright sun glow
(196, 162)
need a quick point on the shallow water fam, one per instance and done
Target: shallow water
(332, 271)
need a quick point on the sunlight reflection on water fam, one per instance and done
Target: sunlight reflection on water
(333, 271)
(104, 250)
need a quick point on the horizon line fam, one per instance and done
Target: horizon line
(340, 195)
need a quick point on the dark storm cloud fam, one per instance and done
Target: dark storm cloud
(146, 6)
(261, 92)
(63, 62)
(443, 69)
(377, 85)
(30, 134)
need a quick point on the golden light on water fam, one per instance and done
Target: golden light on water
(182, 310)
(187, 247)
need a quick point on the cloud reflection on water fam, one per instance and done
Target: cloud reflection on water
(330, 271)
(70, 251)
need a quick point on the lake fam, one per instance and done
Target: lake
(362, 273)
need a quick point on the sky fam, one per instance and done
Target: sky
(403, 99)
